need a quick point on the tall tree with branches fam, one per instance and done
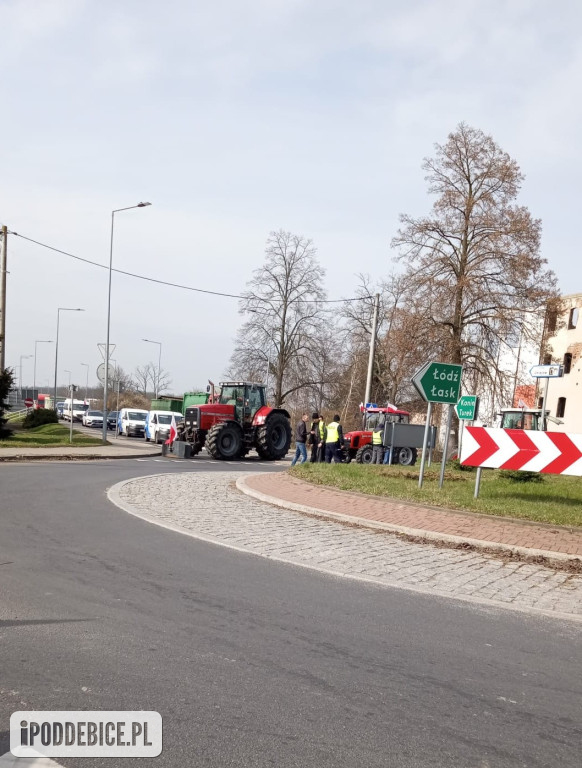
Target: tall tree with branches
(474, 263)
(284, 311)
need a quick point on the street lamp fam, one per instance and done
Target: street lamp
(59, 310)
(87, 381)
(106, 380)
(40, 341)
(159, 343)
(22, 357)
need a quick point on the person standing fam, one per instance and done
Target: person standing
(322, 438)
(300, 441)
(314, 437)
(378, 443)
(334, 440)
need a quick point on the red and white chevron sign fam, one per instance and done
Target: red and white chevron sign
(554, 453)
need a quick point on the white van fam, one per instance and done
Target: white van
(157, 426)
(77, 411)
(131, 421)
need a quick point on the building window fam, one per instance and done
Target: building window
(540, 402)
(567, 362)
(561, 409)
(551, 320)
(547, 360)
(573, 318)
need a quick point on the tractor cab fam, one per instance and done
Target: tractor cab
(523, 418)
(380, 416)
(246, 398)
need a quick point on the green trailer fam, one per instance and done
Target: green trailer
(167, 403)
(194, 398)
(179, 404)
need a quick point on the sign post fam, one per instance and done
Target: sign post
(437, 383)
(547, 372)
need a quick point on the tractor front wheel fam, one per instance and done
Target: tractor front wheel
(274, 437)
(224, 441)
(364, 455)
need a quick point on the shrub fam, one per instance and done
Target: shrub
(456, 464)
(6, 384)
(516, 476)
(37, 418)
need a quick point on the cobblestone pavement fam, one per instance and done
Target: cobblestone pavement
(418, 518)
(208, 506)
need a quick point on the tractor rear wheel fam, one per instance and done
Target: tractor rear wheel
(405, 456)
(274, 437)
(364, 454)
(224, 441)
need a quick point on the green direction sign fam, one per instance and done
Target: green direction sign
(439, 382)
(467, 407)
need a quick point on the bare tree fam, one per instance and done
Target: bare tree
(145, 379)
(474, 264)
(285, 316)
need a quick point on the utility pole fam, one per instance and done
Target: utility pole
(3, 262)
(374, 330)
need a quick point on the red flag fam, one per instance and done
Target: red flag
(173, 431)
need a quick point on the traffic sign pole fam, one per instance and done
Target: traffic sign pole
(545, 400)
(425, 444)
(446, 445)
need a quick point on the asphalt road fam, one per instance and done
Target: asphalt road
(256, 663)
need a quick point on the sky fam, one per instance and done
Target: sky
(235, 118)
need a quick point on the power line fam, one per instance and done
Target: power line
(166, 282)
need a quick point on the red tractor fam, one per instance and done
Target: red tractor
(235, 421)
(359, 443)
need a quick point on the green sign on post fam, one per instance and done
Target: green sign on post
(439, 382)
(468, 407)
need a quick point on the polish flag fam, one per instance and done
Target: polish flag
(173, 431)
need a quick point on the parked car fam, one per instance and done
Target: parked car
(93, 419)
(75, 410)
(131, 422)
(112, 417)
(158, 423)
(60, 407)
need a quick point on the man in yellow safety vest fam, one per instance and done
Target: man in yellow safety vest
(378, 443)
(334, 439)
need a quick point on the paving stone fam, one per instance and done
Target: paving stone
(206, 504)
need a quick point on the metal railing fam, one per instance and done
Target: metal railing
(16, 415)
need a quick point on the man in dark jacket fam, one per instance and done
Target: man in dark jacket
(301, 440)
(314, 438)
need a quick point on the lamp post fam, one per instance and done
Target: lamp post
(59, 310)
(40, 341)
(86, 365)
(68, 388)
(106, 381)
(159, 343)
(116, 369)
(22, 357)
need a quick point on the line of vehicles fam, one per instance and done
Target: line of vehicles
(236, 419)
(132, 422)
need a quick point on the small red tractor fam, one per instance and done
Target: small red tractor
(236, 421)
(358, 444)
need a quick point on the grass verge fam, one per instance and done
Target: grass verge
(556, 500)
(47, 436)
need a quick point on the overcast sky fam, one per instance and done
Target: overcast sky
(237, 117)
